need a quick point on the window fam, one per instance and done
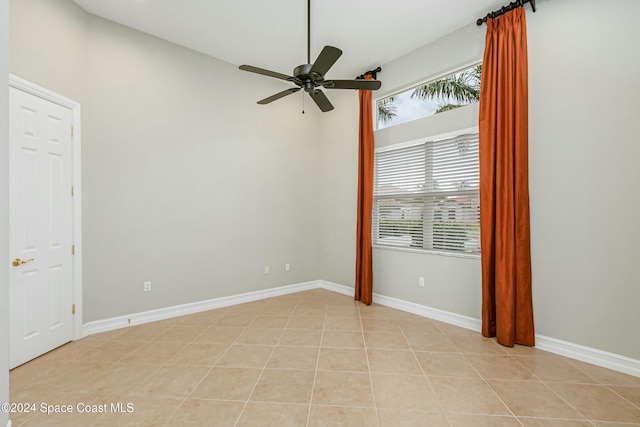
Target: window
(433, 97)
(426, 195)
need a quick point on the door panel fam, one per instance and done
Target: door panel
(41, 226)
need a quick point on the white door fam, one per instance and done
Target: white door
(41, 226)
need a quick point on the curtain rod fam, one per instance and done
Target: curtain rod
(372, 73)
(506, 9)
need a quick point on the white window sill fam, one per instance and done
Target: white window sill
(427, 252)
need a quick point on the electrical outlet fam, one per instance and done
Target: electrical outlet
(287, 267)
(266, 269)
(147, 286)
(421, 281)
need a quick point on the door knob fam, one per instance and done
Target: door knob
(18, 262)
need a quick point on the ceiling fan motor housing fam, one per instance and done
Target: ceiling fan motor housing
(307, 79)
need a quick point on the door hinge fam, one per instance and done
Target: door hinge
(73, 249)
(73, 191)
(73, 309)
(71, 130)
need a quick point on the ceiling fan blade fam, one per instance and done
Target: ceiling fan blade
(278, 95)
(325, 60)
(321, 100)
(267, 73)
(353, 84)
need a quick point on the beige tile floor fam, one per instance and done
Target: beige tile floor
(317, 358)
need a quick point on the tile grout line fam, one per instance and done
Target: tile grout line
(142, 382)
(253, 389)
(315, 373)
(563, 419)
(551, 390)
(446, 416)
(212, 366)
(489, 386)
(609, 387)
(203, 377)
(366, 353)
(99, 344)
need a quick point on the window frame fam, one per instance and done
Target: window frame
(413, 86)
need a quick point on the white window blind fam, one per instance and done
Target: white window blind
(426, 196)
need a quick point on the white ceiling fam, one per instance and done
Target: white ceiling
(271, 34)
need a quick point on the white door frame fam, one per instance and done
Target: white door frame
(33, 89)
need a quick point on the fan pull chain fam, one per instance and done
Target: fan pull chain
(302, 102)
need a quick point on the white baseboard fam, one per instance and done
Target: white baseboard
(191, 308)
(594, 356)
(420, 310)
(575, 351)
(330, 286)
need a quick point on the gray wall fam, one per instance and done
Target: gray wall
(584, 132)
(190, 184)
(584, 100)
(338, 189)
(48, 44)
(4, 207)
(187, 183)
(396, 273)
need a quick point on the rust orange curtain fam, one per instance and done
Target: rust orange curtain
(364, 268)
(507, 309)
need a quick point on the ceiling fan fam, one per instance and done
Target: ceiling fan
(310, 77)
